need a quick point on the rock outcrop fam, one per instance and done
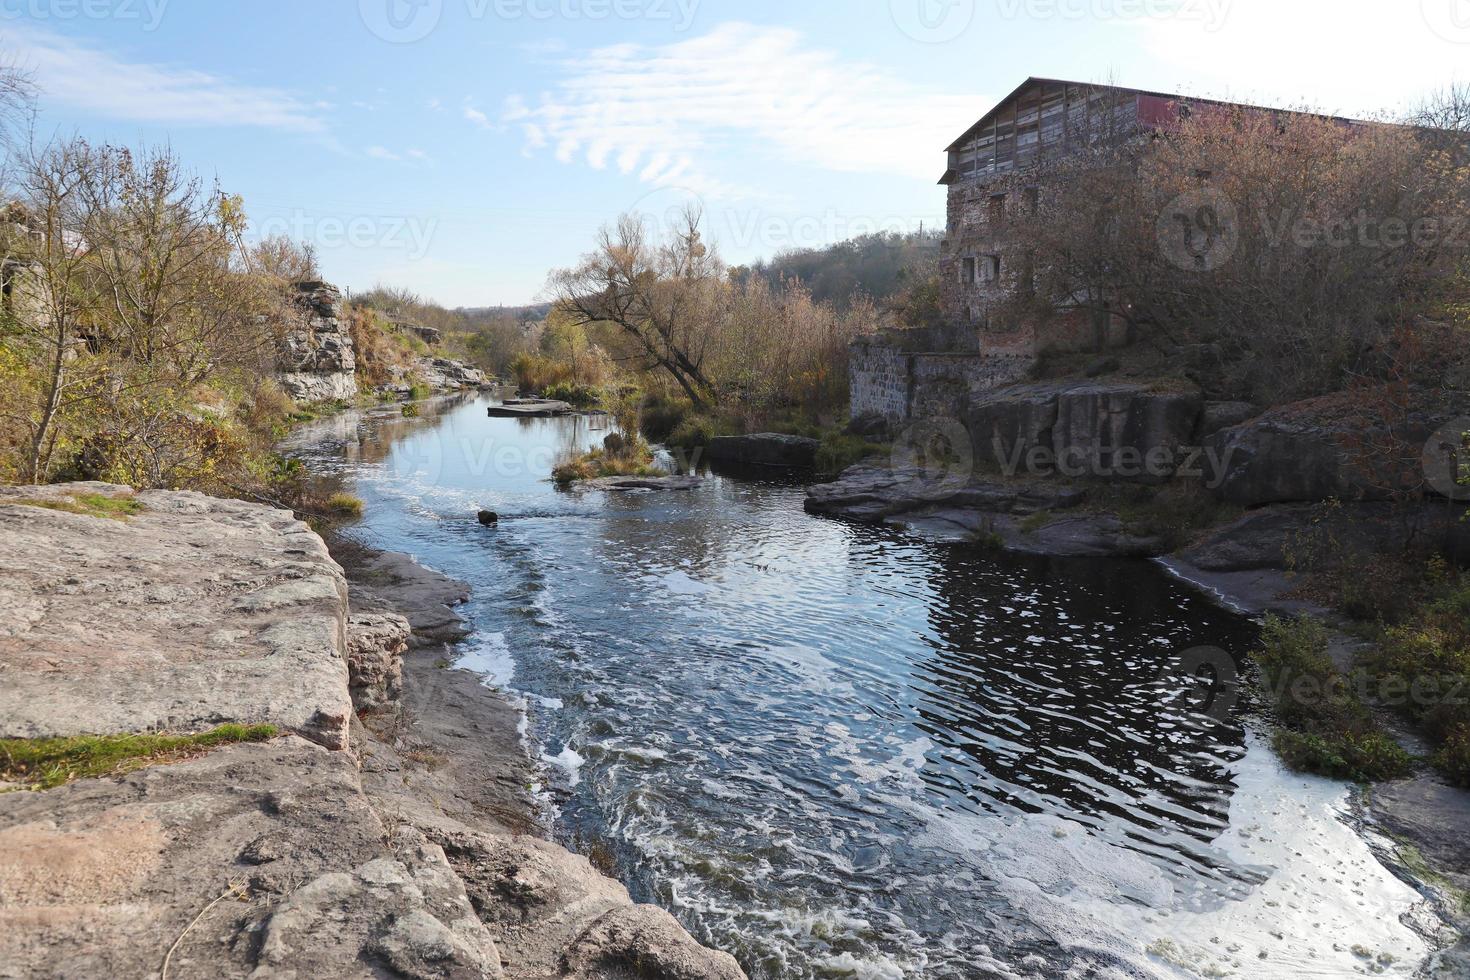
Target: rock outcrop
(1358, 445)
(443, 374)
(376, 643)
(1101, 430)
(317, 358)
(358, 843)
(765, 449)
(193, 612)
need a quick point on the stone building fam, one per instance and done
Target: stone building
(995, 172)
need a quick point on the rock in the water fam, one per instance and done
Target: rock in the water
(488, 518)
(871, 492)
(530, 408)
(623, 484)
(443, 374)
(765, 449)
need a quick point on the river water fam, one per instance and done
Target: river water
(842, 751)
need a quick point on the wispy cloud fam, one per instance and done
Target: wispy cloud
(668, 113)
(382, 153)
(477, 117)
(86, 77)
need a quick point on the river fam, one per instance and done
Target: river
(844, 751)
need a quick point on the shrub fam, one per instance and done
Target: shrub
(1328, 730)
(1453, 759)
(1359, 758)
(838, 451)
(345, 506)
(659, 417)
(572, 393)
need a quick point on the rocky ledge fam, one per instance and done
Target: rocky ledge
(386, 832)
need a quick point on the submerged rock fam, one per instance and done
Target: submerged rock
(531, 408)
(623, 484)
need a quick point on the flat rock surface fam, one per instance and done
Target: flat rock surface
(101, 877)
(530, 408)
(194, 612)
(874, 492)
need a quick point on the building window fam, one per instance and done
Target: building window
(1033, 200)
(967, 271)
(997, 207)
(990, 268)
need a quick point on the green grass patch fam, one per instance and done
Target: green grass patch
(593, 465)
(88, 504)
(45, 763)
(1037, 521)
(1325, 726)
(344, 506)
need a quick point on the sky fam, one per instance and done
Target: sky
(464, 148)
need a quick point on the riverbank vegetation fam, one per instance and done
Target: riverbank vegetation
(719, 351)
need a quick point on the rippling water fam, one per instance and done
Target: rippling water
(843, 751)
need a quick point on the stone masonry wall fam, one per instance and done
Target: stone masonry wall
(900, 386)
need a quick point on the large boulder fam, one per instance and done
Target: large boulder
(1367, 445)
(445, 374)
(765, 449)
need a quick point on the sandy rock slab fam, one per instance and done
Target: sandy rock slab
(192, 612)
(261, 861)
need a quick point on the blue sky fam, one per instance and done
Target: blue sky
(462, 148)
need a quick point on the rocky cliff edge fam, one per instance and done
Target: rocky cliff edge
(383, 833)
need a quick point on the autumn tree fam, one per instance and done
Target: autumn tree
(661, 297)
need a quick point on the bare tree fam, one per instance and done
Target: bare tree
(662, 298)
